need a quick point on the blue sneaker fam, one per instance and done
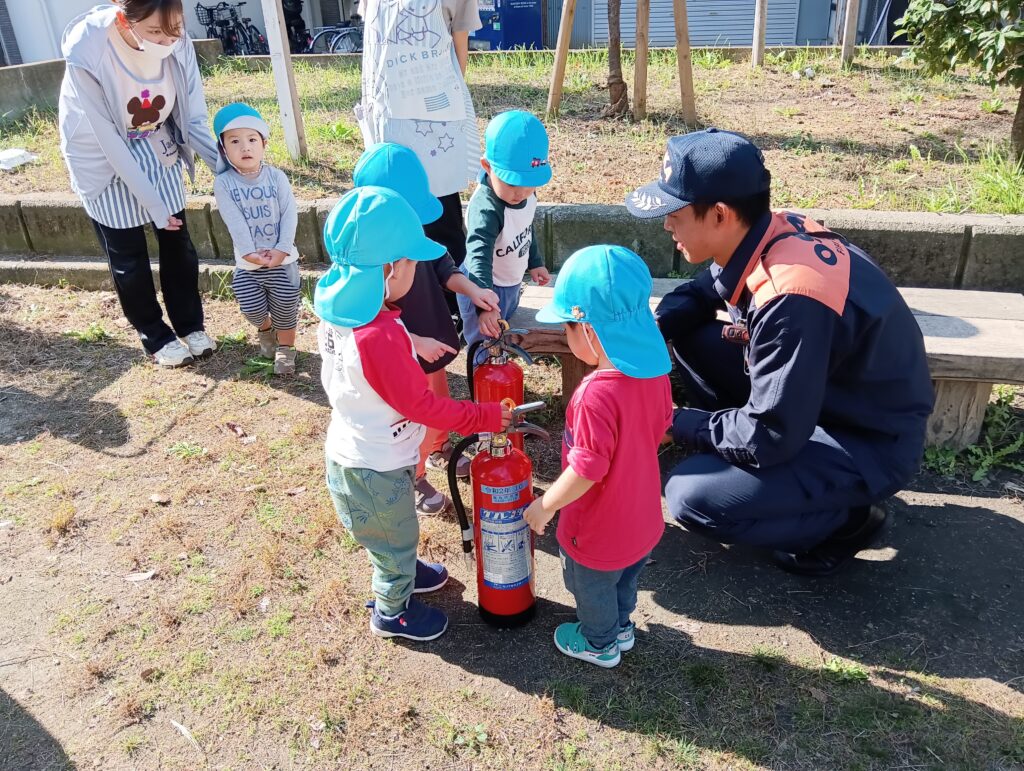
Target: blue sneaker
(416, 622)
(570, 641)
(626, 638)
(430, 576)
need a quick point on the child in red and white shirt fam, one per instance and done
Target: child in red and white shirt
(609, 491)
(381, 402)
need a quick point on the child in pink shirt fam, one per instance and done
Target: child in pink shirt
(609, 491)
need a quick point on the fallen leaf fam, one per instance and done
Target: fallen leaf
(248, 440)
(140, 576)
(149, 674)
(236, 429)
(187, 734)
(255, 489)
(160, 498)
(296, 490)
(817, 693)
(1013, 487)
(264, 605)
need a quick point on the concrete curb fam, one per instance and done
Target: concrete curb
(94, 275)
(916, 249)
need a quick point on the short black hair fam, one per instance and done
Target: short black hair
(749, 210)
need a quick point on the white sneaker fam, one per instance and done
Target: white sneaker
(174, 354)
(200, 344)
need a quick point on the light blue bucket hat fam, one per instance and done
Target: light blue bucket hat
(609, 287)
(395, 166)
(368, 228)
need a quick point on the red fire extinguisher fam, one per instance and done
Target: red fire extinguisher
(502, 479)
(499, 378)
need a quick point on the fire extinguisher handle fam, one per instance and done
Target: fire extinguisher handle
(453, 489)
(532, 430)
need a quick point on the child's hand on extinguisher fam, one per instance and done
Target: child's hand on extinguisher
(536, 516)
(506, 416)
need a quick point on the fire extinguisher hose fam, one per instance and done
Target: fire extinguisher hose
(470, 366)
(453, 488)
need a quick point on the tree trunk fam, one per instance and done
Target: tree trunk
(1017, 132)
(618, 93)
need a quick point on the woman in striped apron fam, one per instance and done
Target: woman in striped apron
(132, 118)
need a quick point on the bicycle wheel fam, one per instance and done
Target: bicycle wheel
(242, 42)
(321, 43)
(257, 42)
(344, 43)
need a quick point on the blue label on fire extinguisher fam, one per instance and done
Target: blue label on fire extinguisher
(505, 552)
(508, 494)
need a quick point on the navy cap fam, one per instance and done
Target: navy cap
(702, 167)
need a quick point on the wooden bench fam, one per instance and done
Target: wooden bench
(973, 341)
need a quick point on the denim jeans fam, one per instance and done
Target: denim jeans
(604, 598)
(508, 301)
(377, 509)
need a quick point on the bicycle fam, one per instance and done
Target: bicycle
(343, 38)
(238, 35)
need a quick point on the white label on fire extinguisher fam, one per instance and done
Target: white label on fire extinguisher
(508, 494)
(505, 548)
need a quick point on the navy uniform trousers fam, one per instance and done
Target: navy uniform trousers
(792, 506)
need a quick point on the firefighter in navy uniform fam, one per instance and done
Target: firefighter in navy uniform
(809, 407)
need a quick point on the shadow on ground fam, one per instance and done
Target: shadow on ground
(26, 745)
(71, 374)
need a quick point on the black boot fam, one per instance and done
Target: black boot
(860, 531)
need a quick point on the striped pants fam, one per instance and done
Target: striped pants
(273, 291)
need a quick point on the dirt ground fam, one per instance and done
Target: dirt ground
(878, 135)
(178, 594)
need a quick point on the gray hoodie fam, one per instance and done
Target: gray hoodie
(93, 139)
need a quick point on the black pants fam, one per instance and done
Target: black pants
(128, 256)
(450, 232)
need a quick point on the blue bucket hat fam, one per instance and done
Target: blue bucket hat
(609, 287)
(394, 166)
(368, 228)
(516, 146)
(239, 115)
(702, 167)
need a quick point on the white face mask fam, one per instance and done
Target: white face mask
(150, 50)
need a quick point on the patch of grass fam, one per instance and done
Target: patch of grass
(232, 340)
(992, 105)
(768, 657)
(61, 519)
(94, 334)
(242, 634)
(1001, 444)
(710, 59)
(277, 625)
(220, 285)
(186, 450)
(844, 671)
(20, 487)
(705, 677)
(131, 743)
(567, 756)
(787, 112)
(993, 183)
(269, 515)
(680, 753)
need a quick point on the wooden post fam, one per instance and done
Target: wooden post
(760, 24)
(561, 57)
(284, 79)
(850, 31)
(959, 412)
(685, 67)
(643, 23)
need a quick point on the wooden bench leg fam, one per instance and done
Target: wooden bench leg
(573, 371)
(958, 415)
